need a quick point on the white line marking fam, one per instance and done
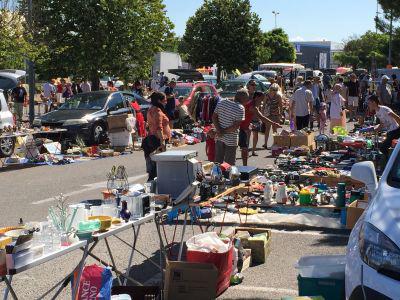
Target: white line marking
(89, 187)
(262, 289)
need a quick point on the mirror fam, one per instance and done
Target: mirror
(365, 172)
(108, 111)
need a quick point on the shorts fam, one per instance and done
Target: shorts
(256, 126)
(224, 153)
(244, 137)
(353, 101)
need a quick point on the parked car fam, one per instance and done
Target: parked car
(228, 88)
(266, 73)
(211, 79)
(188, 90)
(373, 251)
(190, 75)
(85, 115)
(8, 80)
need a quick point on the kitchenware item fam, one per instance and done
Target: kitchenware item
(124, 213)
(105, 222)
(84, 235)
(109, 210)
(90, 225)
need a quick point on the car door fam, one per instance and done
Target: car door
(117, 105)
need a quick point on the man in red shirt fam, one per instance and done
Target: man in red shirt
(244, 132)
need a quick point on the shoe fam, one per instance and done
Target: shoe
(265, 146)
(254, 154)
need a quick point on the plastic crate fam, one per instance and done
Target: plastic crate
(330, 289)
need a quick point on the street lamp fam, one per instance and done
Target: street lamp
(275, 14)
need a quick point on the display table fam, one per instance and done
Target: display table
(88, 246)
(46, 258)
(332, 181)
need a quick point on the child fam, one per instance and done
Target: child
(322, 117)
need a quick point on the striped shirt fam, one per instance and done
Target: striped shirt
(228, 113)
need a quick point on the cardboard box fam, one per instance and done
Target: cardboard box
(185, 280)
(354, 212)
(259, 249)
(116, 122)
(302, 140)
(282, 140)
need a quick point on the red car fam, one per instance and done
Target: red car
(190, 89)
(192, 84)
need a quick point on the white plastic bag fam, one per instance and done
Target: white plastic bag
(207, 242)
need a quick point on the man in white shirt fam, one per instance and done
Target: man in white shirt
(85, 86)
(302, 105)
(49, 92)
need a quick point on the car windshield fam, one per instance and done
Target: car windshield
(231, 86)
(183, 91)
(92, 101)
(394, 176)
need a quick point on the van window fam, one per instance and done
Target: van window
(394, 175)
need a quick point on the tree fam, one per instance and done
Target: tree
(224, 32)
(359, 52)
(276, 44)
(14, 45)
(92, 38)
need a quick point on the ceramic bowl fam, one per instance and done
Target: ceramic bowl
(84, 235)
(105, 222)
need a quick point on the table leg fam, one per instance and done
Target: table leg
(135, 237)
(112, 258)
(80, 269)
(9, 289)
(183, 235)
(162, 248)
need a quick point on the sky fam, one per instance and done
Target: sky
(303, 20)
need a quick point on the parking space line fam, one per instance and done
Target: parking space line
(90, 187)
(262, 289)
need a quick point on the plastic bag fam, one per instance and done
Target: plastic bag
(95, 283)
(208, 242)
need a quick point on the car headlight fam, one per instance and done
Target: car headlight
(37, 122)
(379, 252)
(75, 122)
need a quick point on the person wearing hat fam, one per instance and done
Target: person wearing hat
(385, 91)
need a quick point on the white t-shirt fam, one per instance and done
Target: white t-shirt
(337, 101)
(48, 88)
(387, 121)
(229, 112)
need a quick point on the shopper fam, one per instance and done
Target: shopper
(302, 106)
(20, 97)
(159, 131)
(353, 96)
(256, 124)
(137, 88)
(336, 113)
(49, 94)
(385, 91)
(171, 106)
(68, 93)
(85, 86)
(273, 109)
(244, 132)
(318, 96)
(227, 118)
(140, 122)
(389, 121)
(111, 87)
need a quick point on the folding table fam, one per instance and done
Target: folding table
(46, 258)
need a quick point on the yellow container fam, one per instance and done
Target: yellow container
(105, 222)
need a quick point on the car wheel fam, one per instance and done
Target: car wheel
(98, 133)
(7, 146)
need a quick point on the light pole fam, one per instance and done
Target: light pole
(275, 14)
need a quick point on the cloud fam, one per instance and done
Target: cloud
(297, 39)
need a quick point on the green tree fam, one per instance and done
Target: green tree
(276, 44)
(359, 52)
(92, 38)
(14, 45)
(224, 32)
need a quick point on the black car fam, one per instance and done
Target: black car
(85, 115)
